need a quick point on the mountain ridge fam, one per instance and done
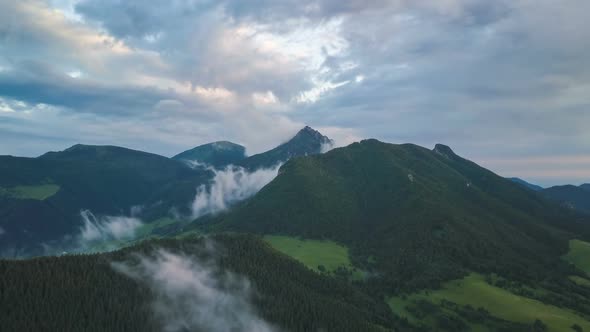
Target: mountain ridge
(307, 141)
(526, 184)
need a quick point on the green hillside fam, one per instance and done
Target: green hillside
(579, 255)
(39, 192)
(320, 256)
(423, 216)
(474, 291)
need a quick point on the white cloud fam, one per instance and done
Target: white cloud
(492, 71)
(230, 185)
(96, 230)
(315, 93)
(190, 294)
(75, 74)
(267, 98)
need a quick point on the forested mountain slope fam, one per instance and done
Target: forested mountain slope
(87, 293)
(416, 216)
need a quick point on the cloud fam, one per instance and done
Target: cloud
(168, 75)
(101, 230)
(192, 294)
(229, 186)
(2, 231)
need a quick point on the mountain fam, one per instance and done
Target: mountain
(217, 154)
(306, 142)
(411, 215)
(522, 182)
(41, 198)
(570, 196)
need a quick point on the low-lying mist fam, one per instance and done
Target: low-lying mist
(96, 230)
(230, 185)
(194, 294)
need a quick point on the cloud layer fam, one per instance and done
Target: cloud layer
(190, 294)
(502, 79)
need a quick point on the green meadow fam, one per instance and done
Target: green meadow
(579, 255)
(314, 253)
(580, 281)
(475, 291)
(38, 192)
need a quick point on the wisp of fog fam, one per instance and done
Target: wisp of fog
(106, 228)
(190, 294)
(229, 186)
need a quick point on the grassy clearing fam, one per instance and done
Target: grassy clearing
(579, 255)
(580, 281)
(314, 253)
(473, 290)
(39, 192)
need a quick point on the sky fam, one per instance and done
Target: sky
(505, 83)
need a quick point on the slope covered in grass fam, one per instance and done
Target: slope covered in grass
(473, 290)
(38, 192)
(320, 256)
(579, 255)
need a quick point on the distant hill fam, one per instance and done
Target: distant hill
(41, 198)
(417, 215)
(570, 196)
(306, 142)
(217, 154)
(526, 184)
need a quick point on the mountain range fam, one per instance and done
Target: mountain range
(369, 237)
(110, 180)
